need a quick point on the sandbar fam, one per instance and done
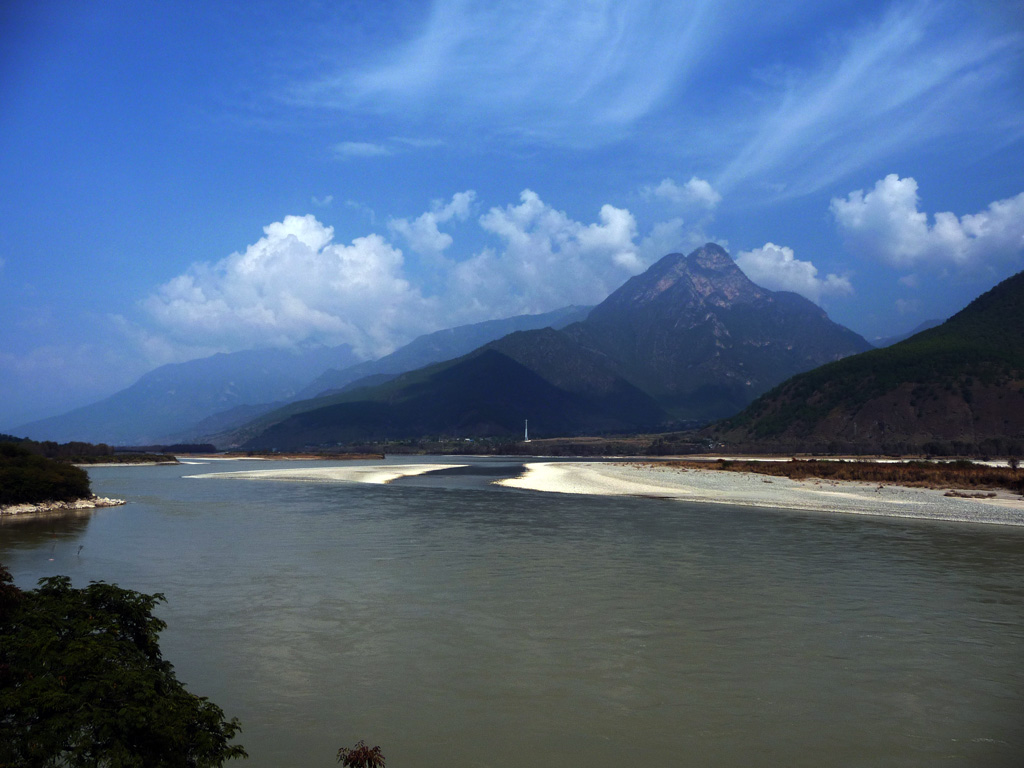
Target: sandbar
(376, 474)
(710, 486)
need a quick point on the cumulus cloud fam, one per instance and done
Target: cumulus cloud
(347, 149)
(775, 267)
(672, 236)
(547, 260)
(422, 233)
(885, 223)
(694, 192)
(294, 285)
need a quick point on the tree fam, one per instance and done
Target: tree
(27, 478)
(361, 756)
(83, 683)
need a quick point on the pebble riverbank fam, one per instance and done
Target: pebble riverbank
(44, 507)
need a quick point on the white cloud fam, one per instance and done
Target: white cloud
(694, 192)
(885, 223)
(907, 306)
(530, 67)
(291, 286)
(672, 236)
(775, 267)
(347, 149)
(296, 285)
(920, 72)
(548, 259)
(422, 233)
(322, 202)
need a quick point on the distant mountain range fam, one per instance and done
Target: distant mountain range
(437, 347)
(888, 341)
(956, 388)
(166, 401)
(182, 401)
(689, 340)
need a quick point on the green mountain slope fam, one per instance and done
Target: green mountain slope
(439, 346)
(958, 387)
(483, 394)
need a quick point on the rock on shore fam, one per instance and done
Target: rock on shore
(59, 506)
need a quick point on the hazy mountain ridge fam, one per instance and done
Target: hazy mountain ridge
(959, 385)
(441, 345)
(220, 393)
(168, 400)
(691, 338)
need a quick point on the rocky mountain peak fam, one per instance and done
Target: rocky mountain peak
(706, 277)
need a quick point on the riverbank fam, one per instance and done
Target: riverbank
(379, 474)
(46, 507)
(712, 486)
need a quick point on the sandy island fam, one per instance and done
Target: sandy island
(377, 474)
(710, 486)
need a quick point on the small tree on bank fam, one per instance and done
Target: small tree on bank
(83, 683)
(361, 756)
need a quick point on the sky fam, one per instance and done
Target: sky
(181, 179)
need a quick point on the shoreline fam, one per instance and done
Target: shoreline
(711, 486)
(46, 507)
(377, 474)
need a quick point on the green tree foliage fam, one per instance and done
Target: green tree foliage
(83, 683)
(26, 478)
(361, 756)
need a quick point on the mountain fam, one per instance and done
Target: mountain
(180, 402)
(167, 401)
(702, 339)
(483, 394)
(439, 346)
(690, 339)
(956, 388)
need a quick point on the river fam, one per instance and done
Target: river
(457, 623)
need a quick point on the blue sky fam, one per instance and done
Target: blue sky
(186, 178)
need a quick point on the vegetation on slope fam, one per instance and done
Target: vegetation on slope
(959, 382)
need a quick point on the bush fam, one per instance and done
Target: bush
(83, 684)
(26, 478)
